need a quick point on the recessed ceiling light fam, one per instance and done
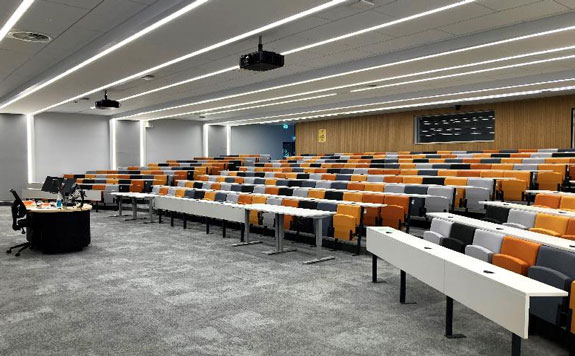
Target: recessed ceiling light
(148, 77)
(101, 54)
(28, 36)
(20, 10)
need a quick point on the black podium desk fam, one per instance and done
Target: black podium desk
(53, 230)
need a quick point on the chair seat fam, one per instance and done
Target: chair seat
(515, 225)
(511, 263)
(479, 252)
(343, 225)
(545, 231)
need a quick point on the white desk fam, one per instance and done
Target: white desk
(498, 294)
(536, 237)
(134, 197)
(534, 209)
(279, 212)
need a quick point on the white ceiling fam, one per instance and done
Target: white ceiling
(82, 28)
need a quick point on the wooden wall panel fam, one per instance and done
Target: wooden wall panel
(534, 123)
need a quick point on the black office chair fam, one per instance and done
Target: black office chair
(19, 222)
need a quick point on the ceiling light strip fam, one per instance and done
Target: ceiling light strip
(378, 27)
(295, 50)
(411, 99)
(200, 51)
(105, 52)
(406, 61)
(20, 10)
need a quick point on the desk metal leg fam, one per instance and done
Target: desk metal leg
(224, 229)
(134, 210)
(207, 226)
(361, 218)
(120, 208)
(403, 288)
(449, 321)
(150, 211)
(318, 244)
(374, 268)
(246, 232)
(515, 345)
(280, 237)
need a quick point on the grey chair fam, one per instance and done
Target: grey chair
(481, 182)
(236, 187)
(339, 185)
(226, 187)
(416, 189)
(232, 198)
(439, 230)
(342, 177)
(521, 219)
(394, 188)
(221, 196)
(249, 180)
(441, 191)
(375, 179)
(327, 223)
(268, 218)
(436, 204)
(485, 244)
(315, 176)
(473, 195)
(323, 184)
(300, 192)
(556, 268)
(260, 189)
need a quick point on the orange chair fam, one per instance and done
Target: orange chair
(137, 186)
(345, 221)
(270, 181)
(180, 193)
(358, 178)
(99, 187)
(316, 193)
(447, 173)
(393, 179)
(412, 180)
(374, 187)
(392, 215)
(351, 196)
(244, 199)
(570, 233)
(255, 215)
(288, 218)
(211, 196)
(163, 191)
(513, 189)
(548, 201)
(549, 180)
(372, 216)
(567, 202)
(516, 255)
(355, 186)
(272, 190)
(459, 192)
(550, 224)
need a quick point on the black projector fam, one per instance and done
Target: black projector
(261, 61)
(106, 104)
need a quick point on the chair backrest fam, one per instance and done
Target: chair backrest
(567, 202)
(190, 193)
(325, 206)
(260, 189)
(399, 200)
(488, 239)
(221, 196)
(306, 204)
(211, 195)
(236, 188)
(548, 200)
(463, 233)
(524, 250)
(352, 210)
(416, 189)
(274, 201)
(232, 198)
(558, 260)
(339, 185)
(373, 187)
(199, 194)
(481, 182)
(226, 186)
(446, 192)
(333, 195)
(300, 192)
(290, 202)
(497, 213)
(442, 227)
(323, 184)
(256, 199)
(373, 198)
(436, 204)
(316, 194)
(394, 188)
(554, 223)
(350, 196)
(525, 218)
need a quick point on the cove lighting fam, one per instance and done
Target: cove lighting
(405, 61)
(237, 38)
(20, 10)
(312, 45)
(105, 52)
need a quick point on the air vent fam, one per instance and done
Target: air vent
(28, 36)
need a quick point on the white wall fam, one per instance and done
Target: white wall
(13, 154)
(254, 139)
(173, 139)
(127, 143)
(217, 140)
(70, 143)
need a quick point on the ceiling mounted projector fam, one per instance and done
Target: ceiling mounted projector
(107, 104)
(261, 60)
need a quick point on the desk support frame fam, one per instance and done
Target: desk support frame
(245, 240)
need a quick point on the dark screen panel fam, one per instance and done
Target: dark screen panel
(459, 127)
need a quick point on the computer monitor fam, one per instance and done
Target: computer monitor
(52, 185)
(69, 186)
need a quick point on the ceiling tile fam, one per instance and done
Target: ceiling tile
(110, 14)
(50, 18)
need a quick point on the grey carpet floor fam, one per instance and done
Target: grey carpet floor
(155, 290)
